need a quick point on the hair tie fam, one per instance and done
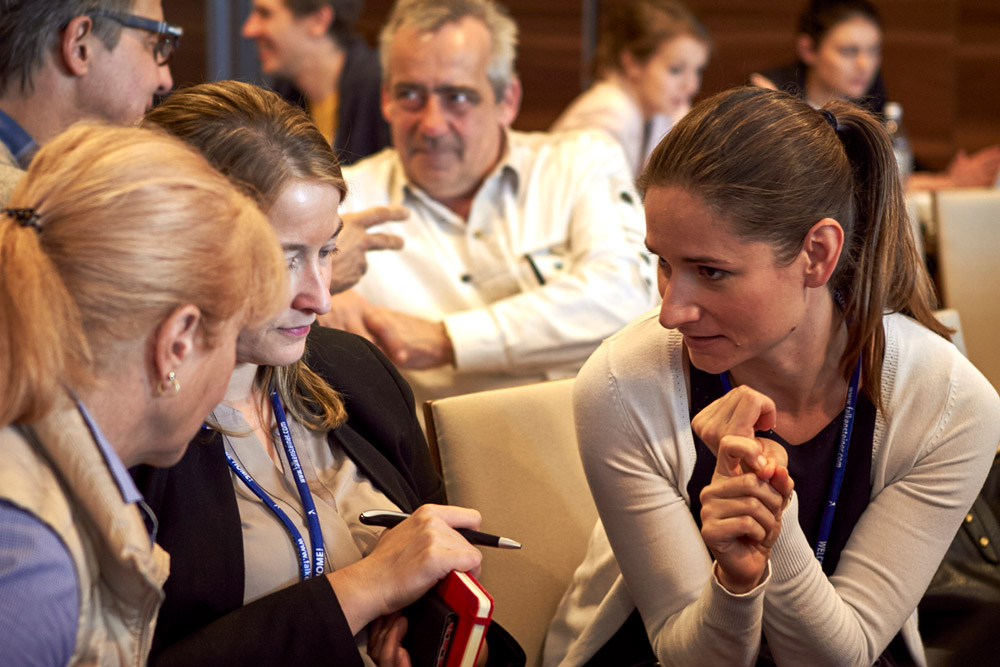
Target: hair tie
(26, 217)
(830, 118)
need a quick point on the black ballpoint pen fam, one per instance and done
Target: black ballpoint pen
(388, 519)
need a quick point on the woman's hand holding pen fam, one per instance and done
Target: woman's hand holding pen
(742, 506)
(406, 561)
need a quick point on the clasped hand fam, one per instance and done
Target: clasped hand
(741, 507)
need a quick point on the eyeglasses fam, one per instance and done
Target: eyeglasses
(169, 36)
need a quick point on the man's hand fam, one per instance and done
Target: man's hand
(409, 341)
(347, 313)
(349, 264)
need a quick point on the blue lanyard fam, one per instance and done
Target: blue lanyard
(318, 564)
(839, 464)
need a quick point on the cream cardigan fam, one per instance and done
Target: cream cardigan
(931, 452)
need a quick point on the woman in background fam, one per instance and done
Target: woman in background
(782, 454)
(243, 589)
(119, 310)
(839, 51)
(650, 58)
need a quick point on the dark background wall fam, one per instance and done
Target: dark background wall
(941, 57)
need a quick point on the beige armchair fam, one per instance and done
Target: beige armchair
(512, 455)
(968, 255)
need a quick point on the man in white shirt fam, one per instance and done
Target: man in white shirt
(522, 251)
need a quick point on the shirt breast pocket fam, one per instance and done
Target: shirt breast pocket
(540, 267)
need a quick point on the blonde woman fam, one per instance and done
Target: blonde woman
(279, 572)
(119, 310)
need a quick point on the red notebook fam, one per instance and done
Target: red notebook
(447, 626)
(474, 607)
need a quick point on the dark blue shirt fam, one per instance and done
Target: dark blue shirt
(18, 142)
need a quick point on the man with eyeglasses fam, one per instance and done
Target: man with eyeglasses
(62, 61)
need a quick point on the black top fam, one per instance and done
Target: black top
(203, 620)
(810, 464)
(361, 129)
(792, 80)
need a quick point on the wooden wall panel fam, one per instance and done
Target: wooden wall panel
(188, 65)
(942, 58)
(977, 80)
(549, 61)
(746, 37)
(919, 70)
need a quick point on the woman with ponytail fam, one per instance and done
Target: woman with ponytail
(783, 452)
(119, 311)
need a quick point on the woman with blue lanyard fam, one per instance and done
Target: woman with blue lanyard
(783, 452)
(269, 562)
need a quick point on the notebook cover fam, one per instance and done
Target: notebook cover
(474, 606)
(430, 627)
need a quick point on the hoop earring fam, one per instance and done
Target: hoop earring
(170, 386)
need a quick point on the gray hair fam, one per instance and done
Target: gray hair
(431, 15)
(30, 28)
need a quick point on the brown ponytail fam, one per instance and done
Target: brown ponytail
(880, 269)
(773, 166)
(42, 344)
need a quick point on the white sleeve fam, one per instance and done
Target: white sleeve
(624, 433)
(599, 108)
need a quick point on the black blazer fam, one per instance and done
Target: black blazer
(203, 620)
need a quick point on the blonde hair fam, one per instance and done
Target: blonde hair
(131, 225)
(262, 143)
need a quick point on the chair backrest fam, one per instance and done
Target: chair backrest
(968, 255)
(949, 318)
(512, 455)
(919, 211)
